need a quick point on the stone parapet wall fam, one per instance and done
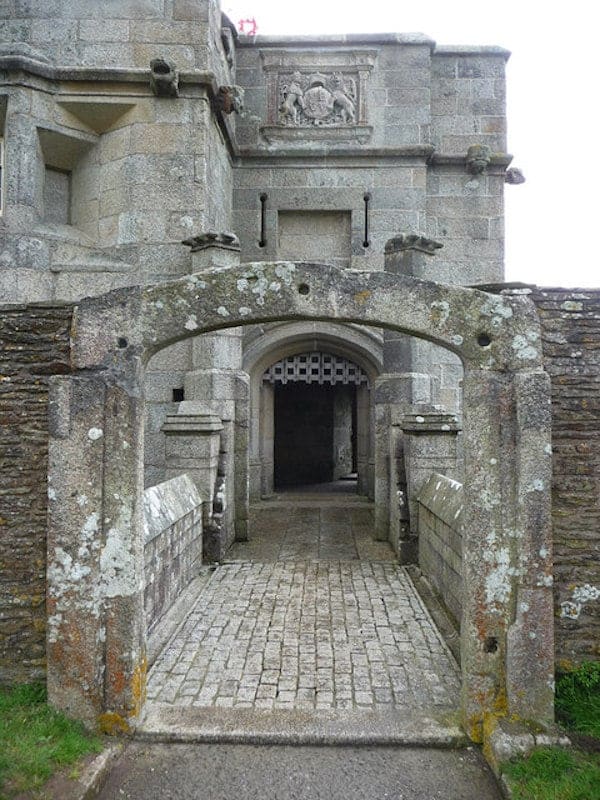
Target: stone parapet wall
(571, 342)
(173, 543)
(440, 508)
(34, 343)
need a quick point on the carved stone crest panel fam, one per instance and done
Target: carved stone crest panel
(323, 100)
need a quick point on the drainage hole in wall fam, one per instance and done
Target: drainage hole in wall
(122, 342)
(304, 288)
(483, 340)
(178, 395)
(490, 644)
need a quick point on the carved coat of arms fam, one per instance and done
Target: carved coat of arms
(317, 99)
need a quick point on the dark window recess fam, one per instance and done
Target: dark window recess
(262, 242)
(178, 395)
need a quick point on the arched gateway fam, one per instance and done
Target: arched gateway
(96, 632)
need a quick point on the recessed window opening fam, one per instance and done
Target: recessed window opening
(57, 196)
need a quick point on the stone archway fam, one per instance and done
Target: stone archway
(358, 345)
(96, 637)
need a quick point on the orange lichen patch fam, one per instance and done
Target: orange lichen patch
(362, 297)
(113, 724)
(118, 680)
(138, 687)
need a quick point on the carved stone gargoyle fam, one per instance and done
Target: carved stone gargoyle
(164, 78)
(478, 158)
(230, 98)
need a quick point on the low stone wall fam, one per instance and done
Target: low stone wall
(173, 543)
(571, 345)
(34, 343)
(440, 508)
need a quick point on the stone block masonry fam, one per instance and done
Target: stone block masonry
(34, 343)
(173, 543)
(440, 508)
(571, 345)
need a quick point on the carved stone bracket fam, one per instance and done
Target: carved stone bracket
(212, 239)
(164, 78)
(412, 241)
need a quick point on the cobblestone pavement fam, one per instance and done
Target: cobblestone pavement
(307, 635)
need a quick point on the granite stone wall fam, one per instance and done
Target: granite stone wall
(571, 343)
(173, 543)
(34, 343)
(440, 508)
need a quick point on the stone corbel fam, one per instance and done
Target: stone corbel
(230, 99)
(164, 78)
(478, 158)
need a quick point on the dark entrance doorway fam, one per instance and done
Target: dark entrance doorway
(315, 433)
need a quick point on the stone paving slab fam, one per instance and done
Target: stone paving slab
(327, 528)
(307, 635)
(170, 723)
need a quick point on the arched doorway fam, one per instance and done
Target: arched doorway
(359, 345)
(96, 633)
(315, 425)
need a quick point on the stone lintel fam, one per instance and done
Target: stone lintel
(192, 418)
(419, 153)
(430, 422)
(472, 50)
(344, 39)
(498, 160)
(33, 64)
(513, 288)
(299, 135)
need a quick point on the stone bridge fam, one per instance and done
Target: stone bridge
(96, 629)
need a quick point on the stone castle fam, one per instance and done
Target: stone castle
(145, 145)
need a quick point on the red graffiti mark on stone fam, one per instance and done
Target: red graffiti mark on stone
(248, 26)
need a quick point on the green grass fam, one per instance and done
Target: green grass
(554, 773)
(35, 740)
(578, 699)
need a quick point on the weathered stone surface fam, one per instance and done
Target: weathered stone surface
(34, 343)
(440, 512)
(571, 340)
(173, 543)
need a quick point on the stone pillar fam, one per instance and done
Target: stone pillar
(216, 378)
(530, 641)
(266, 448)
(192, 446)
(342, 432)
(96, 626)
(430, 445)
(399, 386)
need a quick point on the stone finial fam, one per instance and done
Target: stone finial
(411, 241)
(164, 78)
(229, 99)
(211, 249)
(213, 239)
(514, 176)
(478, 158)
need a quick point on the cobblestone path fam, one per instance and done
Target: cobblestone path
(307, 634)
